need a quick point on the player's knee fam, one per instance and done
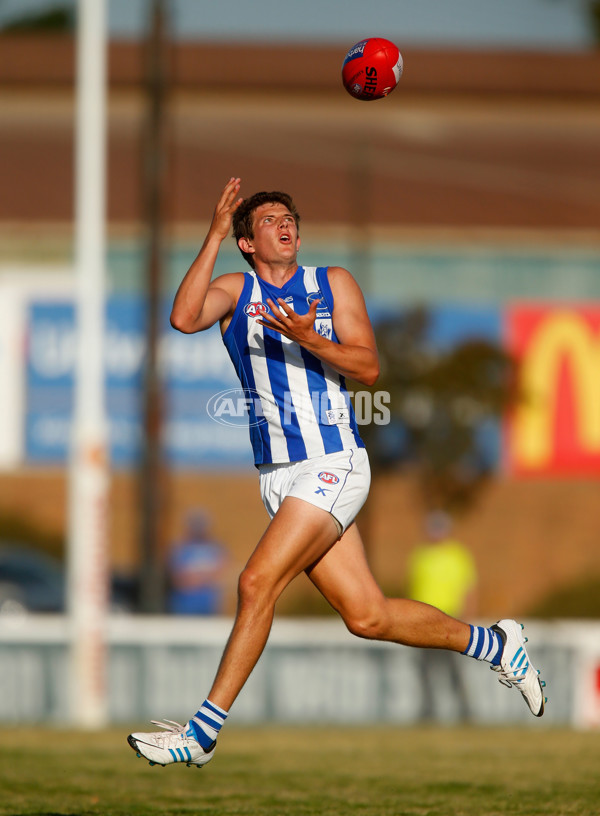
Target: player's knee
(247, 585)
(368, 623)
(252, 587)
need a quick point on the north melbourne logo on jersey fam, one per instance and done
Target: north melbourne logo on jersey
(324, 329)
(255, 309)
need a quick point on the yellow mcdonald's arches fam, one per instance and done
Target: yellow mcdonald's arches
(561, 336)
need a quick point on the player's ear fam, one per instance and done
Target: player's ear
(298, 243)
(245, 245)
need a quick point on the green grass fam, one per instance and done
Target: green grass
(300, 771)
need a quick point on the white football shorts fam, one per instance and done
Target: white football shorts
(336, 482)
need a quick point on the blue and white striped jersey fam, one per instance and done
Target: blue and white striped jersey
(298, 406)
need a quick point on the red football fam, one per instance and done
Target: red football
(372, 68)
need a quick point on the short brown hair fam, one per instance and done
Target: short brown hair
(243, 217)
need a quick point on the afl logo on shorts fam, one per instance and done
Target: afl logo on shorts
(328, 478)
(255, 309)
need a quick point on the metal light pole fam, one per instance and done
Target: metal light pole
(89, 471)
(152, 477)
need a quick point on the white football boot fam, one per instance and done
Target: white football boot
(176, 743)
(516, 669)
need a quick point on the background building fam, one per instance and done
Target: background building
(472, 191)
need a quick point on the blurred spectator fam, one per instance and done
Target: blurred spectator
(197, 570)
(442, 572)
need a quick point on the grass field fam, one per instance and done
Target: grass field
(299, 771)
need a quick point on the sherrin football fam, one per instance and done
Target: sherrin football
(372, 69)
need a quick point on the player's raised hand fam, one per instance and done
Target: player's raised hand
(226, 206)
(286, 321)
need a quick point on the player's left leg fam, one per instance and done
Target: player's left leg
(343, 576)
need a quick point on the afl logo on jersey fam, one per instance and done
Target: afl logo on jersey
(328, 478)
(313, 296)
(255, 309)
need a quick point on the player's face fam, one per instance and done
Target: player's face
(275, 233)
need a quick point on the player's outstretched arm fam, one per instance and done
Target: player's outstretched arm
(355, 355)
(199, 303)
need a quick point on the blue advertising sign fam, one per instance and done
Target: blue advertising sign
(50, 365)
(205, 410)
(194, 369)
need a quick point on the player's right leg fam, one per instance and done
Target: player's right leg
(297, 536)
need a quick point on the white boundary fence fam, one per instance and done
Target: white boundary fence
(312, 671)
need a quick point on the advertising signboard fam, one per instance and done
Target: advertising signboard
(555, 427)
(195, 368)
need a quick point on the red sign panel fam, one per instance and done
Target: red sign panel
(555, 428)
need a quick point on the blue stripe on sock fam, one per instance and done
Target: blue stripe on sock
(214, 709)
(495, 659)
(471, 636)
(209, 721)
(484, 644)
(201, 736)
(213, 724)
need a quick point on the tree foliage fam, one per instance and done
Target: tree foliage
(444, 404)
(57, 18)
